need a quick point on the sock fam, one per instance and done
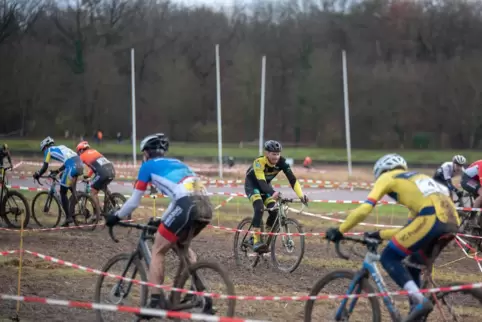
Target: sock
(410, 286)
(256, 237)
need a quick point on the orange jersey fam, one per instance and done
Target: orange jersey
(94, 160)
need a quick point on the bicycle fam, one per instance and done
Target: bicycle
(8, 204)
(141, 255)
(470, 225)
(280, 225)
(52, 196)
(360, 283)
(83, 216)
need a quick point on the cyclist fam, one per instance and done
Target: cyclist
(189, 203)
(432, 215)
(448, 170)
(4, 153)
(472, 182)
(71, 168)
(260, 192)
(98, 165)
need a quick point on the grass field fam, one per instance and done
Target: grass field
(251, 151)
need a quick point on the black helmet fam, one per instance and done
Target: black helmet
(272, 146)
(155, 142)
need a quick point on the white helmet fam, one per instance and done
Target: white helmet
(46, 142)
(459, 159)
(389, 162)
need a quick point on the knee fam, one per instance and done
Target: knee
(161, 245)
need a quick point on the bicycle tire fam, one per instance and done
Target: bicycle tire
(245, 221)
(10, 194)
(80, 219)
(175, 297)
(299, 228)
(111, 201)
(476, 293)
(350, 275)
(34, 214)
(105, 269)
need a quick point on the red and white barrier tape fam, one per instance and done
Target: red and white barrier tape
(256, 298)
(125, 309)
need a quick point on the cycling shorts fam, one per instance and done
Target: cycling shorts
(470, 185)
(73, 169)
(420, 232)
(183, 215)
(104, 175)
(253, 192)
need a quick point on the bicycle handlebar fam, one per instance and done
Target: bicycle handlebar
(149, 228)
(52, 175)
(371, 243)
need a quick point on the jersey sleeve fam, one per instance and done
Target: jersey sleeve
(144, 177)
(381, 188)
(291, 178)
(258, 167)
(48, 156)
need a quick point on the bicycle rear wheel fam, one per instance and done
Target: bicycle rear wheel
(119, 290)
(243, 245)
(288, 245)
(200, 282)
(458, 305)
(46, 210)
(363, 286)
(15, 209)
(84, 211)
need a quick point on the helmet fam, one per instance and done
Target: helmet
(389, 162)
(459, 159)
(82, 146)
(48, 141)
(272, 146)
(156, 141)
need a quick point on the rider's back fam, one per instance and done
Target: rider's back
(419, 193)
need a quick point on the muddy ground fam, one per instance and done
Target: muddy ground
(93, 249)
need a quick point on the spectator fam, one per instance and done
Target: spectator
(119, 137)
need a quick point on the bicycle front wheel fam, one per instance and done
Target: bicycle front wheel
(109, 290)
(207, 277)
(292, 248)
(46, 210)
(341, 280)
(15, 209)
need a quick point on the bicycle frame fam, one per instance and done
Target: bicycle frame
(142, 252)
(370, 268)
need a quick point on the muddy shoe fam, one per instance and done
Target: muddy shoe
(67, 222)
(260, 247)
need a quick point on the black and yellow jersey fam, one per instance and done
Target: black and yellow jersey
(262, 172)
(417, 191)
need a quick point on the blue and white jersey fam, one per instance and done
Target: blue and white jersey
(59, 153)
(171, 177)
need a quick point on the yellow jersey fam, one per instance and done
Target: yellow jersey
(416, 191)
(262, 172)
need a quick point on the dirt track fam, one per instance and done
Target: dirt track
(92, 249)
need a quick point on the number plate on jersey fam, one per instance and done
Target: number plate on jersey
(428, 186)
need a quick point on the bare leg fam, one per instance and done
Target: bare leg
(156, 269)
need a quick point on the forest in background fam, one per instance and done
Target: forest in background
(414, 70)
